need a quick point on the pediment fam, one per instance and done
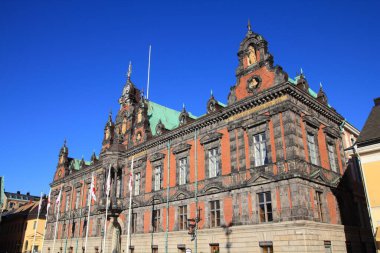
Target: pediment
(179, 195)
(156, 156)
(211, 137)
(213, 187)
(258, 120)
(331, 131)
(258, 179)
(311, 121)
(181, 148)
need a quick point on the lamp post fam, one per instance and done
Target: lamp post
(101, 243)
(193, 225)
(227, 230)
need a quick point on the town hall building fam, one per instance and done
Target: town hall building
(266, 172)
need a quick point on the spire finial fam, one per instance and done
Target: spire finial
(249, 26)
(110, 116)
(320, 85)
(183, 106)
(129, 70)
(64, 143)
(212, 94)
(301, 71)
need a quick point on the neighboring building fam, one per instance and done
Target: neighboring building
(271, 163)
(18, 226)
(367, 151)
(16, 200)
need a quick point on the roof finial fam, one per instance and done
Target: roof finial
(212, 94)
(249, 26)
(64, 143)
(129, 70)
(320, 85)
(110, 116)
(301, 71)
(183, 106)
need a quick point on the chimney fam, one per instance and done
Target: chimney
(377, 101)
(28, 193)
(18, 192)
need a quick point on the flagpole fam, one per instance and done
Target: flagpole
(46, 222)
(147, 83)
(56, 222)
(130, 205)
(105, 222)
(89, 210)
(35, 229)
(167, 201)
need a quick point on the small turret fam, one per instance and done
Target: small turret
(322, 97)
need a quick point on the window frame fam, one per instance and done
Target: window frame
(182, 217)
(137, 184)
(156, 220)
(215, 213)
(262, 144)
(267, 216)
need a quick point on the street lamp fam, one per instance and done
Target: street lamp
(228, 231)
(192, 225)
(101, 243)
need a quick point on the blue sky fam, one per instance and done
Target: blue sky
(63, 65)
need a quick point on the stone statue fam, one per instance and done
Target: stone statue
(251, 55)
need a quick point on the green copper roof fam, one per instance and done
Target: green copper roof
(76, 163)
(168, 117)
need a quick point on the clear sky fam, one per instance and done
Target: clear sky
(63, 65)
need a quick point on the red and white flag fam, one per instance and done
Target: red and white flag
(131, 176)
(108, 186)
(48, 202)
(92, 189)
(130, 180)
(58, 200)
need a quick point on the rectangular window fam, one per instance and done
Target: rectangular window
(182, 212)
(137, 183)
(330, 149)
(312, 148)
(319, 205)
(213, 166)
(260, 149)
(156, 220)
(134, 223)
(182, 171)
(267, 249)
(214, 213)
(77, 199)
(67, 207)
(265, 206)
(157, 178)
(327, 246)
(99, 227)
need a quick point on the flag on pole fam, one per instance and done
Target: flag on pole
(108, 186)
(58, 200)
(48, 203)
(130, 181)
(92, 189)
(39, 204)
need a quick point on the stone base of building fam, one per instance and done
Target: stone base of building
(291, 236)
